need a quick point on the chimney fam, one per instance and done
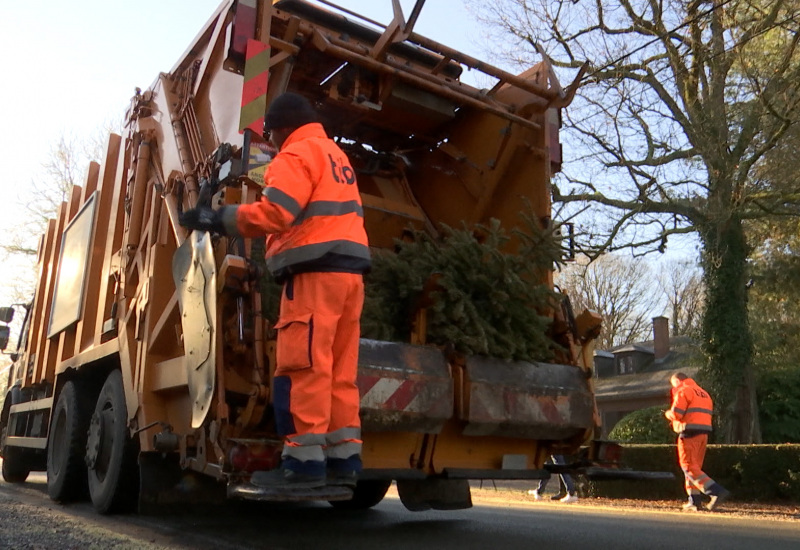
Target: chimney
(660, 337)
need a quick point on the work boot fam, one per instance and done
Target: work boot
(343, 472)
(342, 479)
(283, 478)
(693, 505)
(719, 496)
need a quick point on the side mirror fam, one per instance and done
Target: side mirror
(4, 331)
(6, 314)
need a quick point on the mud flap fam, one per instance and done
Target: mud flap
(195, 276)
(419, 495)
(166, 488)
(248, 491)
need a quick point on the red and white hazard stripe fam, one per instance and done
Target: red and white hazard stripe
(390, 394)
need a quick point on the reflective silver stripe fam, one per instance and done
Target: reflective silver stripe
(698, 427)
(703, 482)
(307, 439)
(344, 450)
(228, 217)
(304, 453)
(314, 251)
(276, 196)
(699, 410)
(679, 411)
(342, 435)
(329, 208)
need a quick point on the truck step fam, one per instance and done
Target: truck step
(248, 491)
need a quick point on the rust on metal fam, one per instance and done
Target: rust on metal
(403, 387)
(530, 400)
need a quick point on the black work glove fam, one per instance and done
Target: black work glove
(202, 218)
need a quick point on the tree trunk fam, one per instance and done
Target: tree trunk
(727, 341)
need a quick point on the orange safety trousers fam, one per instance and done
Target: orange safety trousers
(315, 396)
(691, 454)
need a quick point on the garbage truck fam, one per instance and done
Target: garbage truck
(143, 374)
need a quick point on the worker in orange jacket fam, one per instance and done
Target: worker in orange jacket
(690, 414)
(317, 246)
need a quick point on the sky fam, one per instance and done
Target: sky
(72, 67)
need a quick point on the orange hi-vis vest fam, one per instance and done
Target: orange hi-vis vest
(311, 209)
(692, 408)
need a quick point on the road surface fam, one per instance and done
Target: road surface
(29, 520)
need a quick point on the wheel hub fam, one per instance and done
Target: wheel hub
(96, 440)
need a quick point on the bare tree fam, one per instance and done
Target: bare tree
(620, 289)
(43, 195)
(682, 285)
(65, 165)
(680, 105)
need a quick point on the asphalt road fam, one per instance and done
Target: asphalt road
(29, 520)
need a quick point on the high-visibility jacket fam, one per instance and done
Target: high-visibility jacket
(311, 209)
(692, 408)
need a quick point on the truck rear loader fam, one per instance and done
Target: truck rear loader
(143, 374)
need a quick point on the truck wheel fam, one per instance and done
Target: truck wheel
(66, 446)
(15, 467)
(110, 453)
(367, 494)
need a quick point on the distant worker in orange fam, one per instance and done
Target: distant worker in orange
(691, 413)
(317, 247)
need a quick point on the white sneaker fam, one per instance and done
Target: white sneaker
(535, 494)
(570, 498)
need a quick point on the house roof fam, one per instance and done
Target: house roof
(638, 385)
(683, 350)
(634, 347)
(652, 377)
(675, 343)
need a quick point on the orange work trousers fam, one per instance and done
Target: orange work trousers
(691, 454)
(315, 396)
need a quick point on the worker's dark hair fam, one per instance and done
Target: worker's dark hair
(289, 110)
(680, 376)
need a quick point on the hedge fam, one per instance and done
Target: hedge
(753, 473)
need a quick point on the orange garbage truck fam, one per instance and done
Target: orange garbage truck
(143, 374)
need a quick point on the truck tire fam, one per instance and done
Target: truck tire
(110, 453)
(368, 493)
(66, 445)
(15, 466)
